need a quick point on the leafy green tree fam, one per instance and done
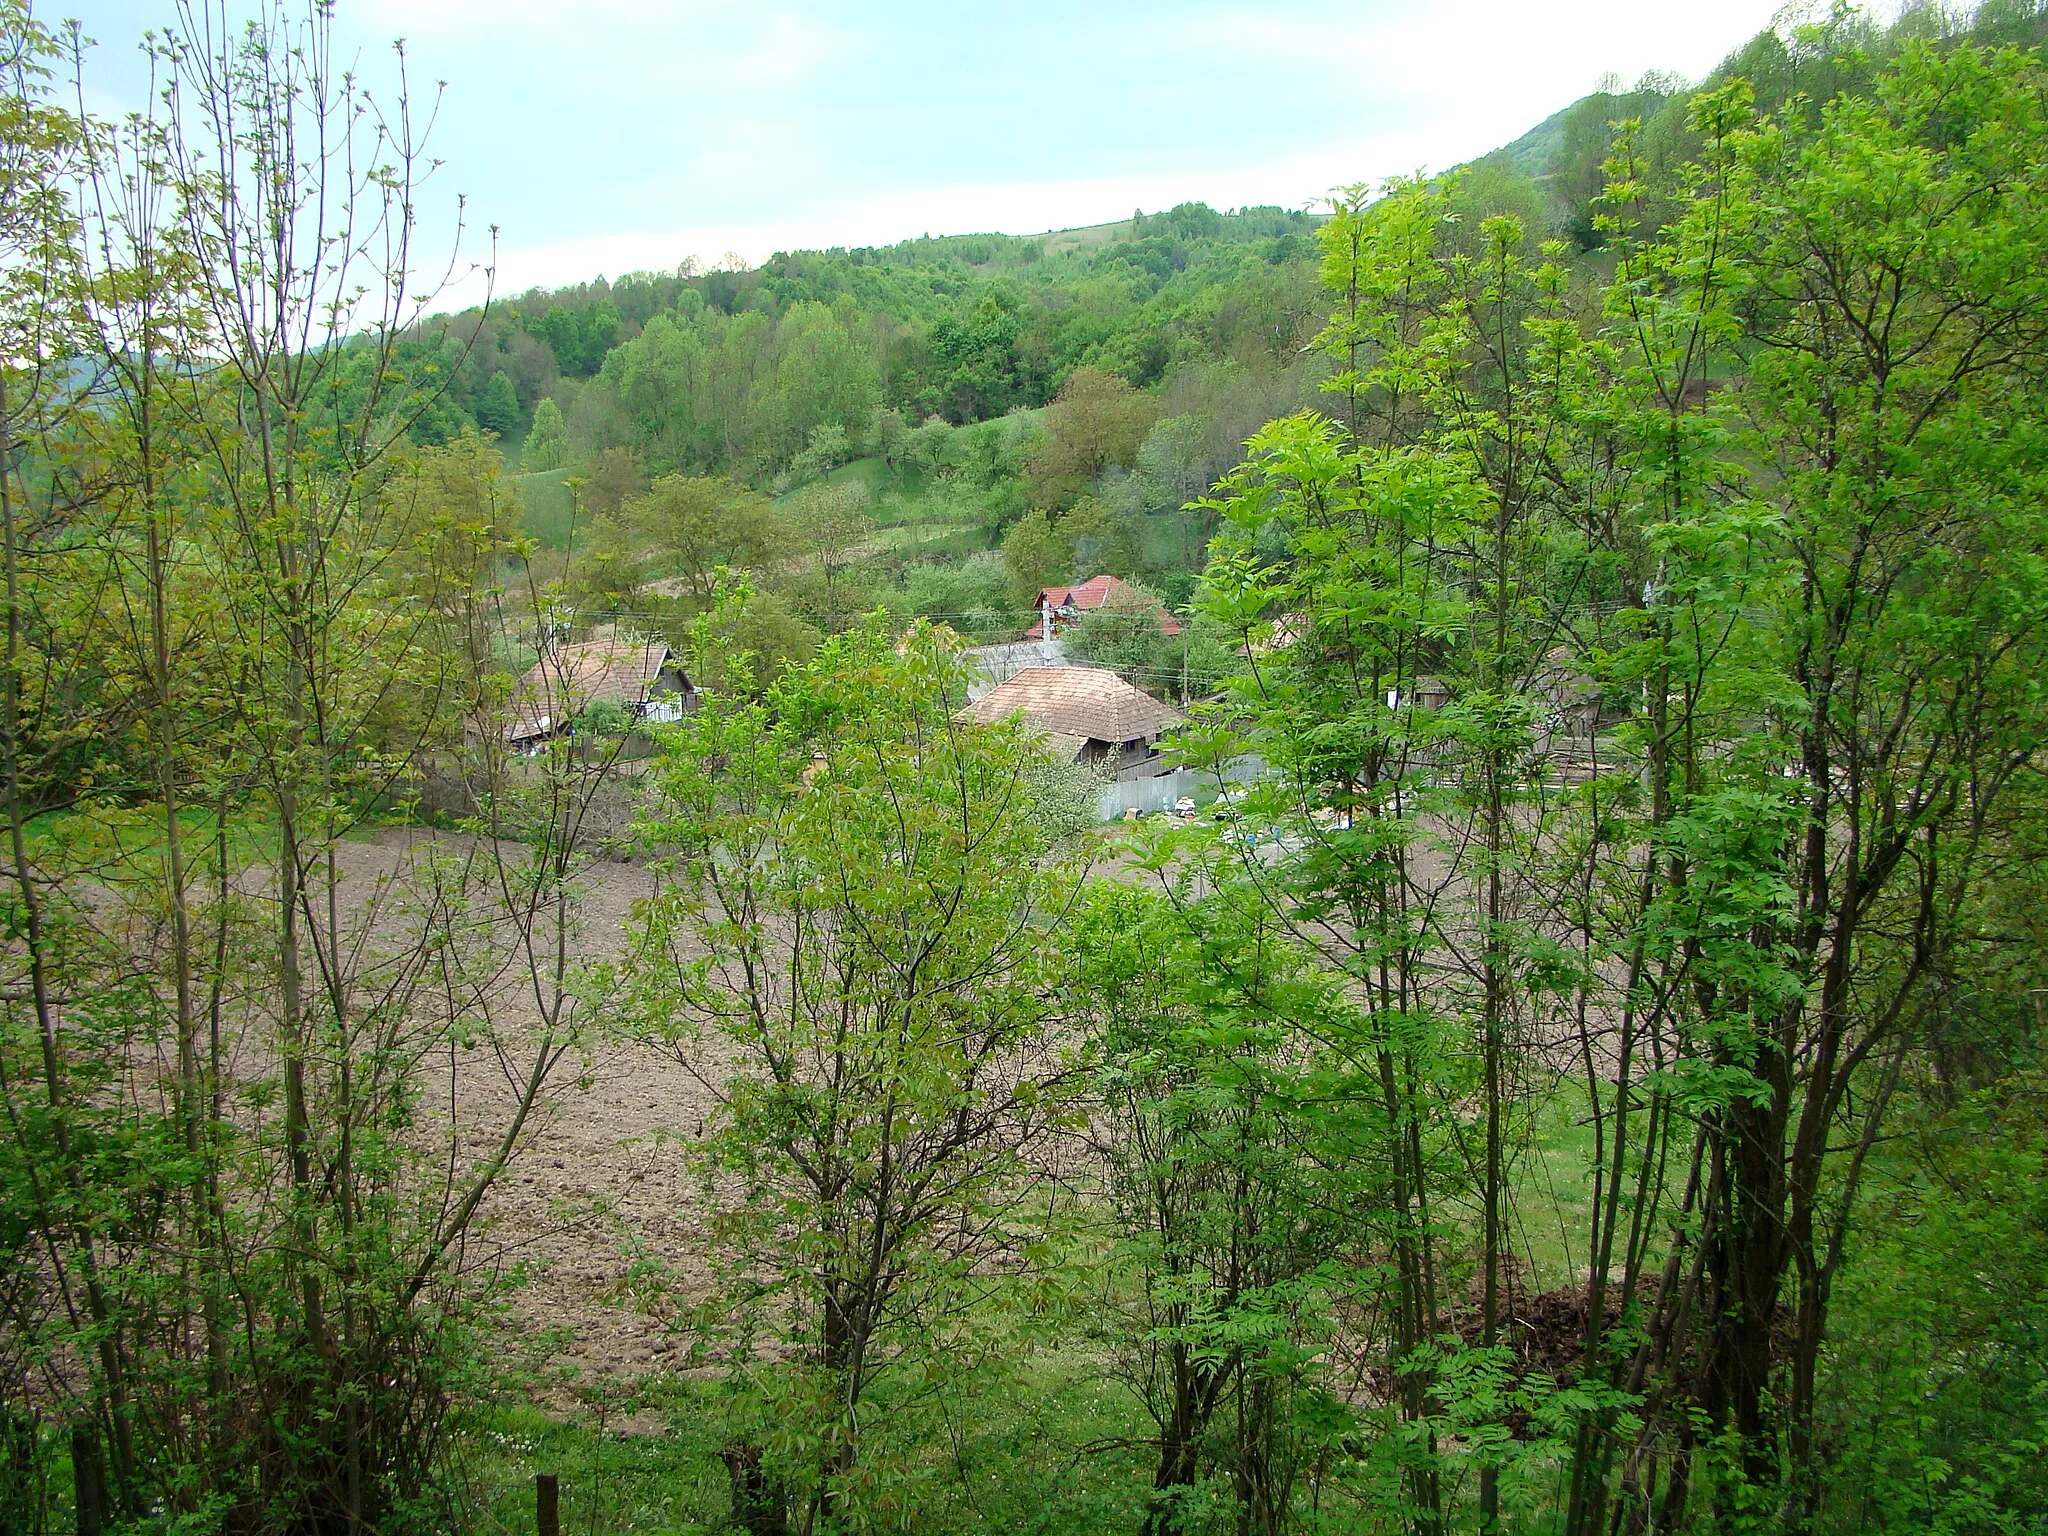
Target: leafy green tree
(547, 444)
(1100, 538)
(1205, 1043)
(608, 568)
(1036, 555)
(929, 446)
(825, 380)
(698, 526)
(614, 478)
(976, 371)
(266, 1248)
(497, 407)
(1096, 423)
(972, 597)
(828, 449)
(857, 902)
(1323, 575)
(1128, 635)
(892, 434)
(833, 524)
(579, 338)
(747, 640)
(1898, 205)
(1415, 601)
(662, 383)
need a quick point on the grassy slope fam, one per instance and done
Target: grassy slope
(1086, 237)
(548, 506)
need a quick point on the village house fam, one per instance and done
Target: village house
(1060, 608)
(641, 677)
(1091, 715)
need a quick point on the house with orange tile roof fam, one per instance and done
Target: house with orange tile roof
(1060, 608)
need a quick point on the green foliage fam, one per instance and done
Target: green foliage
(1936, 1399)
(1581, 1072)
(976, 371)
(1036, 555)
(547, 445)
(1204, 1057)
(829, 448)
(1099, 541)
(273, 1305)
(696, 527)
(497, 408)
(746, 641)
(1096, 423)
(1128, 635)
(857, 899)
(973, 597)
(547, 502)
(578, 338)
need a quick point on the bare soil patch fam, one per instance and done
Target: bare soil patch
(601, 1180)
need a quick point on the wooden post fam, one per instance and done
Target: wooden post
(547, 1504)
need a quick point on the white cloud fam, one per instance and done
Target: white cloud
(784, 50)
(619, 45)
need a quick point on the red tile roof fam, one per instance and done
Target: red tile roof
(1093, 593)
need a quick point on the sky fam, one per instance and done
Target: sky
(607, 136)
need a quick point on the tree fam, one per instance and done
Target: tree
(929, 446)
(615, 477)
(1100, 538)
(1128, 635)
(825, 380)
(1519, 531)
(547, 445)
(860, 903)
(1208, 1036)
(976, 371)
(1097, 421)
(829, 448)
(579, 338)
(747, 640)
(892, 435)
(699, 525)
(663, 382)
(1036, 556)
(832, 521)
(1893, 303)
(272, 1273)
(497, 407)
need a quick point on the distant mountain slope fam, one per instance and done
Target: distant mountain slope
(1531, 154)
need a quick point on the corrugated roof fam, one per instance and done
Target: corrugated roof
(1076, 701)
(557, 687)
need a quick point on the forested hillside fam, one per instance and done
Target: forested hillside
(542, 988)
(737, 371)
(909, 379)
